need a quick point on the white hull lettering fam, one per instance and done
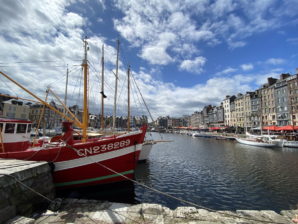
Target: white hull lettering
(102, 148)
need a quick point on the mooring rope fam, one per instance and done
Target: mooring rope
(171, 196)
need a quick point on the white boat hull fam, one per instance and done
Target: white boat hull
(291, 144)
(255, 143)
(145, 151)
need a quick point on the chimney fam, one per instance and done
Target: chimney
(284, 76)
(271, 81)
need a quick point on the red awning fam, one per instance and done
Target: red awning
(271, 128)
(217, 128)
(287, 128)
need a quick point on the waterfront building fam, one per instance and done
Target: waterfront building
(94, 121)
(162, 122)
(197, 119)
(233, 113)
(50, 119)
(255, 109)
(239, 117)
(247, 109)
(15, 109)
(268, 102)
(205, 112)
(281, 100)
(293, 98)
(216, 116)
(227, 109)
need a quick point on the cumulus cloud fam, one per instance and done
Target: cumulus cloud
(275, 61)
(193, 22)
(226, 71)
(44, 36)
(247, 67)
(195, 66)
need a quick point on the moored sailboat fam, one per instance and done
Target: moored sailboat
(260, 142)
(83, 162)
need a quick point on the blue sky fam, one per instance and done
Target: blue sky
(183, 54)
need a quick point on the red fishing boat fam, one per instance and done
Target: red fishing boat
(75, 163)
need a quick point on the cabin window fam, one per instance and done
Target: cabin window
(1, 127)
(21, 128)
(29, 128)
(9, 128)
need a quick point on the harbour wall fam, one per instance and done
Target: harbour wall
(92, 211)
(16, 177)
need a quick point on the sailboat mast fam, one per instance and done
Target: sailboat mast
(116, 86)
(102, 90)
(66, 85)
(128, 98)
(85, 102)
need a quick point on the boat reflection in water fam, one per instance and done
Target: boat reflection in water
(123, 192)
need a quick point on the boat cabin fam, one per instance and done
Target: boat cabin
(14, 135)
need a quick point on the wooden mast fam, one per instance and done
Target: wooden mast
(128, 98)
(66, 85)
(102, 90)
(85, 102)
(116, 86)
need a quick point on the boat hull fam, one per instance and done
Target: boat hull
(290, 144)
(255, 143)
(146, 149)
(98, 161)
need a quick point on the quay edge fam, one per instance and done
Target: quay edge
(15, 198)
(93, 211)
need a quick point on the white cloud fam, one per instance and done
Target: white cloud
(247, 67)
(226, 71)
(193, 22)
(221, 7)
(275, 61)
(195, 66)
(165, 31)
(156, 55)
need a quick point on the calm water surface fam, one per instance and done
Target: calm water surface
(219, 174)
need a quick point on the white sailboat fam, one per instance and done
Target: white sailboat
(260, 142)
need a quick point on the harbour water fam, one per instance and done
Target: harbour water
(217, 174)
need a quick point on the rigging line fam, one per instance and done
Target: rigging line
(139, 101)
(76, 83)
(122, 89)
(137, 106)
(31, 62)
(6, 83)
(125, 63)
(142, 98)
(26, 186)
(48, 66)
(105, 82)
(169, 195)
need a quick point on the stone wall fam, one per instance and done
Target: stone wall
(92, 211)
(15, 198)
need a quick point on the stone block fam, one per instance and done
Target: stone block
(20, 220)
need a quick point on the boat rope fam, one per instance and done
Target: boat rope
(26, 186)
(171, 196)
